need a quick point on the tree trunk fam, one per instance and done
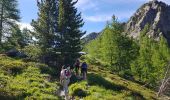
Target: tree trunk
(1, 21)
(164, 82)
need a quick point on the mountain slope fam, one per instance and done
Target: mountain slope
(90, 37)
(103, 85)
(21, 80)
(154, 13)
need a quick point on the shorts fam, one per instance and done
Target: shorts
(84, 70)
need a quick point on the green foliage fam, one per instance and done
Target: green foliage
(113, 47)
(33, 52)
(46, 25)
(57, 29)
(31, 81)
(94, 48)
(144, 60)
(69, 24)
(105, 86)
(78, 89)
(17, 39)
(153, 58)
(13, 41)
(9, 14)
(81, 90)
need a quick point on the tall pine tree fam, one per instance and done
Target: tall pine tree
(70, 22)
(46, 25)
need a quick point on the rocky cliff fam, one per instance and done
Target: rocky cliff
(156, 14)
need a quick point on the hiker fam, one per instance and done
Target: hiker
(84, 67)
(77, 67)
(65, 79)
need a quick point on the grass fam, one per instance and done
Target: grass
(30, 80)
(21, 80)
(103, 85)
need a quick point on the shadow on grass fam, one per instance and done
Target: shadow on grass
(80, 93)
(137, 96)
(94, 79)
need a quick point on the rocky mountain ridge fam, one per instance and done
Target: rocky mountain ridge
(90, 37)
(156, 14)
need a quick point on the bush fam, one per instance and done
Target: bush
(31, 80)
(127, 74)
(82, 90)
(11, 66)
(78, 89)
(33, 52)
(14, 67)
(31, 84)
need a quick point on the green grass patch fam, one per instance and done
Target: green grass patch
(103, 85)
(21, 80)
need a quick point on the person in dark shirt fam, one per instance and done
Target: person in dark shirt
(84, 67)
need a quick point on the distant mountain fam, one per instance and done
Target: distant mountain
(90, 37)
(156, 14)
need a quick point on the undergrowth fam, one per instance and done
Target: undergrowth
(21, 80)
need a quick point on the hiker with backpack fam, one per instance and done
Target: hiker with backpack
(84, 67)
(65, 76)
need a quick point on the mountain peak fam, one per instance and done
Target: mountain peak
(157, 3)
(156, 14)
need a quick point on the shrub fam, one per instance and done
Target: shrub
(126, 74)
(12, 67)
(33, 52)
(78, 89)
(82, 90)
(29, 82)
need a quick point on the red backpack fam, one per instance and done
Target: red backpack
(67, 73)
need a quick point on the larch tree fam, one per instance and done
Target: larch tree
(115, 45)
(145, 54)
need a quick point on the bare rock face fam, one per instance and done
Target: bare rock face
(154, 13)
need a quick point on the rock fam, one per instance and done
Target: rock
(156, 14)
(15, 53)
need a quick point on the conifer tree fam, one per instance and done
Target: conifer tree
(46, 25)
(70, 22)
(153, 58)
(9, 14)
(145, 54)
(116, 46)
(160, 60)
(94, 48)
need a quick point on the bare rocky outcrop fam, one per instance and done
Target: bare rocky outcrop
(156, 14)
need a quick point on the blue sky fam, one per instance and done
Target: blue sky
(94, 12)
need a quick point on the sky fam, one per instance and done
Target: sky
(95, 13)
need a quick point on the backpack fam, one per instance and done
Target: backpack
(84, 65)
(67, 73)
